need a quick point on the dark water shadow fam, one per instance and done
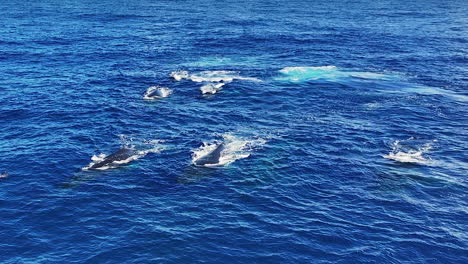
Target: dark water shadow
(194, 174)
(83, 177)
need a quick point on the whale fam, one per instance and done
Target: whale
(120, 156)
(180, 75)
(155, 92)
(212, 158)
(212, 88)
(123, 155)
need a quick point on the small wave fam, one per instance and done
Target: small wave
(234, 148)
(211, 88)
(402, 151)
(303, 74)
(373, 105)
(4, 174)
(217, 61)
(155, 92)
(210, 62)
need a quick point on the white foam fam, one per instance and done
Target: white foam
(405, 154)
(99, 157)
(211, 88)
(211, 76)
(234, 148)
(155, 92)
(367, 75)
(218, 76)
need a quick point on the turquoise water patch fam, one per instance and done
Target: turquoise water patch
(328, 73)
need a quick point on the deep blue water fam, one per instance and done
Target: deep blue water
(358, 156)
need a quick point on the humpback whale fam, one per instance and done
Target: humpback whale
(155, 92)
(180, 75)
(123, 155)
(212, 88)
(212, 158)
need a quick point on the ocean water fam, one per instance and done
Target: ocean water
(343, 124)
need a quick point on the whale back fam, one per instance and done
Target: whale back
(212, 157)
(122, 154)
(155, 93)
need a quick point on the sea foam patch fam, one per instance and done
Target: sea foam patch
(410, 151)
(211, 76)
(330, 73)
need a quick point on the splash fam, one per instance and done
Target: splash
(155, 92)
(403, 152)
(234, 148)
(329, 73)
